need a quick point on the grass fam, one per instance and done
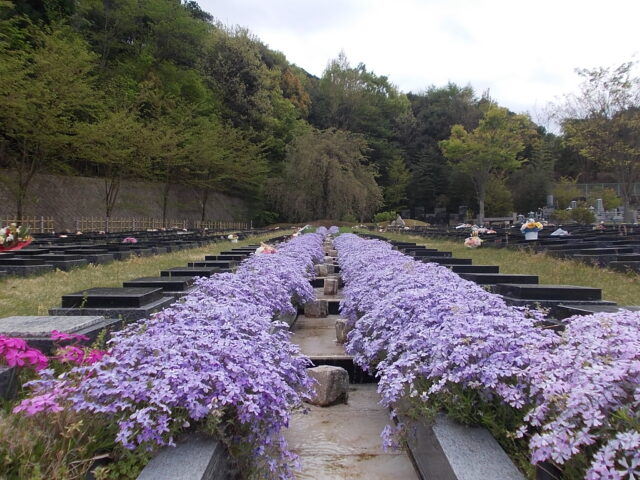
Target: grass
(36, 295)
(622, 288)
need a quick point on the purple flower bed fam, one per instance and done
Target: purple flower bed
(210, 356)
(429, 334)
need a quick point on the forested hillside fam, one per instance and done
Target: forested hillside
(160, 90)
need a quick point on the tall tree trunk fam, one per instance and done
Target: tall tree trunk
(165, 202)
(204, 198)
(111, 187)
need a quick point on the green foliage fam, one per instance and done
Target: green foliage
(395, 195)
(499, 201)
(564, 191)
(490, 149)
(583, 216)
(610, 198)
(325, 177)
(385, 216)
(603, 123)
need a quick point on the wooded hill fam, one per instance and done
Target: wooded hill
(160, 90)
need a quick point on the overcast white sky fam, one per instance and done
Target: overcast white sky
(525, 52)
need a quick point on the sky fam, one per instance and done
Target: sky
(524, 52)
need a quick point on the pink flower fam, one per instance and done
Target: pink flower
(61, 336)
(46, 402)
(95, 356)
(71, 354)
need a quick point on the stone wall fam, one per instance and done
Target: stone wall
(66, 198)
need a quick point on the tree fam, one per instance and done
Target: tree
(46, 91)
(395, 195)
(325, 176)
(490, 149)
(113, 145)
(222, 159)
(603, 122)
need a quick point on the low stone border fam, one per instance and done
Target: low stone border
(195, 457)
(447, 450)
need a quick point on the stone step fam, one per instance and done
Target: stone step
(496, 278)
(192, 271)
(548, 292)
(625, 266)
(132, 297)
(428, 253)
(28, 252)
(446, 260)
(22, 261)
(237, 258)
(168, 284)
(628, 257)
(565, 311)
(474, 268)
(214, 263)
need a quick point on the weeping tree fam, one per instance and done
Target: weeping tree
(326, 176)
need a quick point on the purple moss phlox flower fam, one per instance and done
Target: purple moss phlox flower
(420, 321)
(586, 390)
(414, 321)
(212, 353)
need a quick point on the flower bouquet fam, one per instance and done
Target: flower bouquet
(266, 249)
(530, 229)
(233, 238)
(13, 237)
(474, 241)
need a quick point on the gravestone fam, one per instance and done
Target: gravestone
(195, 457)
(126, 303)
(36, 330)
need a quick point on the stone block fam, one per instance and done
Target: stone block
(332, 385)
(7, 382)
(330, 286)
(36, 330)
(195, 457)
(447, 450)
(316, 309)
(342, 330)
(329, 260)
(321, 270)
(332, 253)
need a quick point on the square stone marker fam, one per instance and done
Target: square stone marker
(36, 330)
(133, 297)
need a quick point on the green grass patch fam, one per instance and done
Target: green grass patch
(623, 288)
(36, 295)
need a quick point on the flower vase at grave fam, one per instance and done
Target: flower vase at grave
(530, 235)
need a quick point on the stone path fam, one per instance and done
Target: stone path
(341, 441)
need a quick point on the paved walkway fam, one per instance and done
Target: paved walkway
(342, 441)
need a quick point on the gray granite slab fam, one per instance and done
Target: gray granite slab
(195, 457)
(36, 330)
(447, 450)
(38, 326)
